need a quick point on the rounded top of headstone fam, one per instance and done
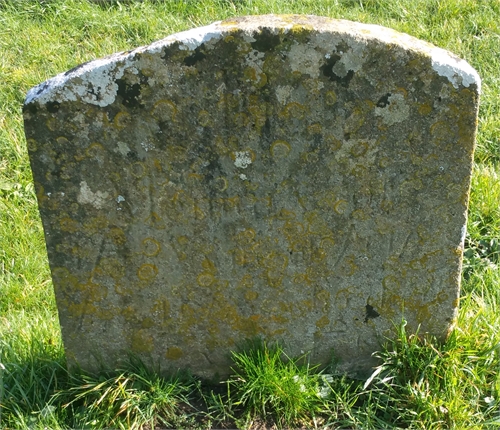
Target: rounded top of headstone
(259, 29)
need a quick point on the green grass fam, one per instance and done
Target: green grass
(271, 385)
(420, 383)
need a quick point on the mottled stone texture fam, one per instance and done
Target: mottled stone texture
(297, 178)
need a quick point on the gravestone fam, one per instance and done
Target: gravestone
(296, 178)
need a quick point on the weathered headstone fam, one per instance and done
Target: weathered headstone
(298, 178)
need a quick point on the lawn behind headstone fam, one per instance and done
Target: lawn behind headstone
(422, 383)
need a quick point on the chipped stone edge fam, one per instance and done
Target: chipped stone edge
(104, 72)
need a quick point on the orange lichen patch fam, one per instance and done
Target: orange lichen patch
(243, 257)
(322, 322)
(205, 279)
(174, 353)
(275, 260)
(274, 277)
(147, 272)
(155, 221)
(245, 237)
(121, 120)
(333, 143)
(318, 255)
(302, 28)
(111, 267)
(246, 281)
(330, 98)
(359, 149)
(151, 247)
(164, 110)
(80, 309)
(117, 235)
(279, 319)
(209, 266)
(425, 109)
(251, 295)
(129, 313)
(301, 243)
(294, 110)
(317, 224)
(221, 183)
(52, 124)
(32, 145)
(147, 322)
(229, 23)
(249, 327)
(96, 224)
(138, 169)
(280, 149)
(69, 225)
(349, 266)
(204, 118)
(96, 150)
(141, 341)
(315, 128)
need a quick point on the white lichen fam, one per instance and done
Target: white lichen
(457, 71)
(242, 159)
(93, 83)
(191, 39)
(396, 111)
(122, 148)
(87, 196)
(147, 146)
(305, 60)
(283, 93)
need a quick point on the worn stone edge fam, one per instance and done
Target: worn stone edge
(105, 71)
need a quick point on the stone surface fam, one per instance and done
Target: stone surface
(297, 178)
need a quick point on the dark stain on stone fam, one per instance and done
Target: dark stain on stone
(53, 107)
(265, 41)
(342, 46)
(42, 88)
(169, 51)
(129, 93)
(194, 58)
(384, 101)
(371, 313)
(346, 79)
(327, 70)
(132, 156)
(266, 128)
(419, 85)
(32, 108)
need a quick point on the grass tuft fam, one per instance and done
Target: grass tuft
(128, 399)
(273, 386)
